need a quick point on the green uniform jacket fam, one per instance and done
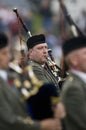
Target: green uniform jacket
(43, 74)
(74, 97)
(13, 115)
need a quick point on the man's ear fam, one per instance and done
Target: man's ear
(74, 60)
(30, 51)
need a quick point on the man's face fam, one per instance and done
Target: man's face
(5, 57)
(39, 53)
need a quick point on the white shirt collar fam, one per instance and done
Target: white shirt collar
(82, 75)
(3, 74)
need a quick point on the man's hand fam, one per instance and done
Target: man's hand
(59, 111)
(51, 124)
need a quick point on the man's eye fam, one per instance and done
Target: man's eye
(39, 48)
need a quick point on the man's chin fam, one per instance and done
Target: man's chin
(44, 61)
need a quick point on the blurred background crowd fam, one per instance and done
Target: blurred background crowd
(41, 16)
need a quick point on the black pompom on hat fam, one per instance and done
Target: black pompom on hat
(34, 40)
(73, 44)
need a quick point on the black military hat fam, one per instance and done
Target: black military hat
(3, 40)
(34, 40)
(73, 44)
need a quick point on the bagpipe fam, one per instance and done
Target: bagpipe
(40, 98)
(54, 69)
(74, 29)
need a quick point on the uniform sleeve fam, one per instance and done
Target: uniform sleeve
(74, 99)
(10, 120)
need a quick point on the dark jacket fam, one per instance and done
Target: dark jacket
(13, 115)
(74, 97)
(43, 74)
